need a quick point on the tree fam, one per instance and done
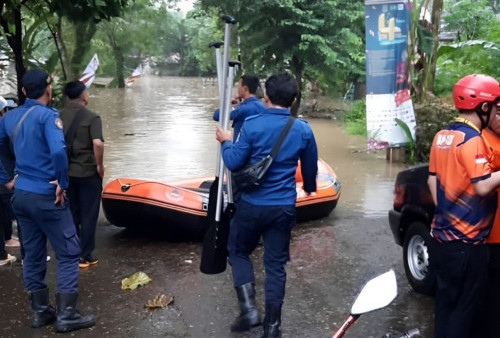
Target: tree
(305, 37)
(51, 13)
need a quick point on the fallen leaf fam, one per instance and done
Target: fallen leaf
(137, 279)
(160, 301)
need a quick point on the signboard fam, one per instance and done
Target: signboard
(387, 89)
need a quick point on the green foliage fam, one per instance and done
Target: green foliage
(430, 118)
(479, 55)
(470, 18)
(410, 144)
(355, 118)
(323, 41)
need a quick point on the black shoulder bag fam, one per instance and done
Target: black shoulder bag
(252, 175)
(70, 134)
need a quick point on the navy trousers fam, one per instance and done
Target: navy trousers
(274, 224)
(5, 222)
(84, 194)
(462, 286)
(39, 219)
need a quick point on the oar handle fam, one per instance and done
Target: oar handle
(348, 322)
(229, 19)
(216, 44)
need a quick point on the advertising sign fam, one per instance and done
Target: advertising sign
(387, 89)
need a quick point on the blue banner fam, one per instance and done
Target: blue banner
(388, 96)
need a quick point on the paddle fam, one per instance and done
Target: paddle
(214, 252)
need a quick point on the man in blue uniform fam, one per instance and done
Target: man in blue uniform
(269, 209)
(248, 103)
(35, 133)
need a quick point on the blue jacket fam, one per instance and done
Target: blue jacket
(39, 147)
(256, 140)
(249, 107)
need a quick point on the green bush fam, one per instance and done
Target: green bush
(355, 118)
(430, 118)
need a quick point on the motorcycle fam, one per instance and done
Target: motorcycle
(376, 294)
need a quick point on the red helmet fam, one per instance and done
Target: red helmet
(472, 90)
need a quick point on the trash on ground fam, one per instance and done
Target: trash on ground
(137, 279)
(160, 301)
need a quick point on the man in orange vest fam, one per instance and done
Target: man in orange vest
(491, 137)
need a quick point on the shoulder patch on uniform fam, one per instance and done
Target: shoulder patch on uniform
(59, 123)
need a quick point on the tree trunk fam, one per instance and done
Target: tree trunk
(64, 52)
(298, 66)
(84, 31)
(15, 41)
(117, 54)
(437, 9)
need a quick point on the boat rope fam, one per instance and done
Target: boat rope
(127, 186)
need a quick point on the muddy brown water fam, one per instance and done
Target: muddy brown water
(162, 129)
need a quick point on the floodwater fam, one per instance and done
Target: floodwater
(162, 129)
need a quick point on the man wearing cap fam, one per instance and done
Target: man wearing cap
(83, 134)
(35, 132)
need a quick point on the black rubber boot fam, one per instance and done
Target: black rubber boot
(272, 322)
(249, 316)
(41, 312)
(68, 319)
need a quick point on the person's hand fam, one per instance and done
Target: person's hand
(236, 100)
(10, 185)
(100, 170)
(60, 193)
(222, 135)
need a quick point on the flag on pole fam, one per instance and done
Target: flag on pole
(137, 73)
(88, 75)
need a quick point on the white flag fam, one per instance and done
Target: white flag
(135, 74)
(88, 75)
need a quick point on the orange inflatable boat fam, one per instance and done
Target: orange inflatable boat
(180, 207)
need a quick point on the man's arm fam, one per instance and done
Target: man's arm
(309, 165)
(432, 183)
(99, 155)
(484, 187)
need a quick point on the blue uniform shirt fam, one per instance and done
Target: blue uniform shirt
(39, 147)
(249, 107)
(257, 137)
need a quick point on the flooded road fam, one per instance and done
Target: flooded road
(162, 129)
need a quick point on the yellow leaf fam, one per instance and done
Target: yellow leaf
(137, 279)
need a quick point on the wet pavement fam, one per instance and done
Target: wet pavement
(331, 258)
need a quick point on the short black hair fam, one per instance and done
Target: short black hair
(252, 82)
(74, 89)
(282, 89)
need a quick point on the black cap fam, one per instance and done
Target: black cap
(74, 89)
(34, 82)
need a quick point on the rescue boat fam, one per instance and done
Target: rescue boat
(180, 207)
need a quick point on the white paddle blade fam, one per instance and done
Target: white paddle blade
(377, 293)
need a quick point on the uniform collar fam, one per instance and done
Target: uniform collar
(467, 122)
(278, 111)
(32, 102)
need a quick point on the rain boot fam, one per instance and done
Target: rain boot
(68, 319)
(41, 312)
(272, 321)
(249, 316)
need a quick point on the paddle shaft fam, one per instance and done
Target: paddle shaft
(223, 111)
(347, 324)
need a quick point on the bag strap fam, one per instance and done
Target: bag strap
(282, 136)
(18, 125)
(70, 134)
